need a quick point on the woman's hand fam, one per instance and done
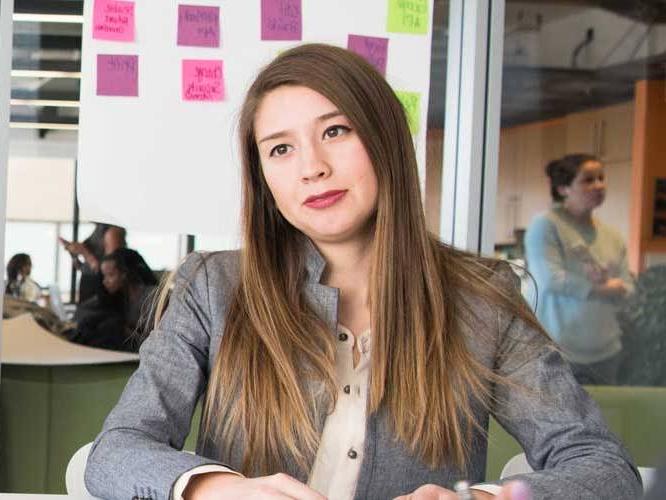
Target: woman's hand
(515, 490)
(76, 248)
(612, 288)
(224, 485)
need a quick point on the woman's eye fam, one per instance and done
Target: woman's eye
(279, 150)
(335, 131)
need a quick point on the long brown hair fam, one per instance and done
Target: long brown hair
(273, 343)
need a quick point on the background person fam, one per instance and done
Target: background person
(116, 317)
(580, 267)
(19, 283)
(87, 255)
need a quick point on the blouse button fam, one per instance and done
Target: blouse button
(347, 389)
(352, 453)
(342, 337)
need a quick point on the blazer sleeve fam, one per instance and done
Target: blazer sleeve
(138, 452)
(559, 426)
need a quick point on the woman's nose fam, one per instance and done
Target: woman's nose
(315, 165)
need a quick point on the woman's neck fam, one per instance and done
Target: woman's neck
(580, 216)
(348, 269)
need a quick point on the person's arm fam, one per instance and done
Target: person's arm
(76, 248)
(546, 263)
(559, 426)
(138, 450)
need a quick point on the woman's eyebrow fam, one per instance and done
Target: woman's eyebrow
(282, 133)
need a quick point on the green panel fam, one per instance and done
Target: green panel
(24, 425)
(635, 414)
(82, 398)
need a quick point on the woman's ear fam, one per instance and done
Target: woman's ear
(563, 191)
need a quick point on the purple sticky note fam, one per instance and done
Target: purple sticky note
(198, 26)
(281, 20)
(373, 49)
(117, 75)
(203, 80)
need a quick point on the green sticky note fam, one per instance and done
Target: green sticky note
(407, 16)
(411, 102)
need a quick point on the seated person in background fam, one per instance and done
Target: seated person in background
(113, 318)
(19, 283)
(86, 256)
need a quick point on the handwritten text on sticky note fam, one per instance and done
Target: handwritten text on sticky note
(117, 75)
(411, 102)
(198, 26)
(373, 49)
(203, 80)
(281, 20)
(113, 20)
(407, 16)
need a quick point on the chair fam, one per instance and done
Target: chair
(518, 465)
(76, 467)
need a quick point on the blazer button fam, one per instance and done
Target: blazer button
(342, 337)
(347, 389)
(352, 453)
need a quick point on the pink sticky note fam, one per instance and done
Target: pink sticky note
(203, 80)
(373, 49)
(117, 75)
(281, 20)
(113, 20)
(198, 26)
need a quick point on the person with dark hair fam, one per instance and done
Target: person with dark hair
(580, 268)
(19, 283)
(345, 352)
(116, 317)
(86, 255)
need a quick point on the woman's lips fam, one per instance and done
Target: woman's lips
(325, 200)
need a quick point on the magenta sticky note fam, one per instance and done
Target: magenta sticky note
(373, 49)
(198, 26)
(203, 80)
(117, 75)
(281, 20)
(113, 20)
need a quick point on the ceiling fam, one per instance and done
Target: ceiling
(544, 75)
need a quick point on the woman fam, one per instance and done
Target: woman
(86, 256)
(580, 268)
(115, 317)
(344, 352)
(19, 283)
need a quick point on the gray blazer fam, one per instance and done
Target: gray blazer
(137, 454)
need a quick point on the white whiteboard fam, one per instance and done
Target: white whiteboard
(157, 163)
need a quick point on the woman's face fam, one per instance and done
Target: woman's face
(588, 189)
(26, 269)
(112, 239)
(315, 165)
(114, 280)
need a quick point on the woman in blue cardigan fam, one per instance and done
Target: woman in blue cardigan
(580, 268)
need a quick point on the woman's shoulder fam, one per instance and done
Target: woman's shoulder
(214, 269)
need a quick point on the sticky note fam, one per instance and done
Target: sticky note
(203, 80)
(113, 20)
(411, 102)
(373, 49)
(281, 20)
(117, 75)
(198, 26)
(407, 16)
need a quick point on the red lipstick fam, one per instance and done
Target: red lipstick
(325, 200)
